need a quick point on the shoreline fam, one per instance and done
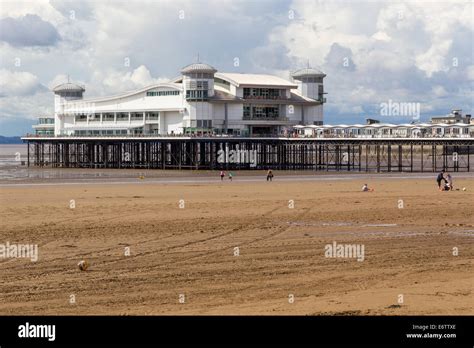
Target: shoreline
(23, 176)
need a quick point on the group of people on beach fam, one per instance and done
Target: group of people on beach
(442, 176)
(448, 181)
(231, 175)
(222, 174)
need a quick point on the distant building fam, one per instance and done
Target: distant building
(371, 121)
(454, 117)
(387, 130)
(200, 101)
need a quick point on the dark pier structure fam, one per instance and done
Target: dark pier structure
(215, 153)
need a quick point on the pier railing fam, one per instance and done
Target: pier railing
(289, 136)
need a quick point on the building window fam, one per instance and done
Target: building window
(107, 117)
(122, 117)
(246, 111)
(200, 75)
(202, 84)
(222, 83)
(153, 116)
(136, 116)
(197, 84)
(46, 120)
(196, 94)
(259, 112)
(161, 93)
(81, 118)
(204, 123)
(71, 94)
(263, 93)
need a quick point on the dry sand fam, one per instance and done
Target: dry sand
(190, 251)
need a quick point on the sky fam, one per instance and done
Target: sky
(374, 53)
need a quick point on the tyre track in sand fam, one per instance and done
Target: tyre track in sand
(174, 247)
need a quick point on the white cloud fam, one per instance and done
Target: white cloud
(439, 91)
(434, 59)
(470, 72)
(16, 107)
(400, 50)
(381, 36)
(18, 83)
(122, 81)
(41, 8)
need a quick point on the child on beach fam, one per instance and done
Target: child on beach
(230, 176)
(449, 181)
(222, 175)
(269, 175)
(366, 188)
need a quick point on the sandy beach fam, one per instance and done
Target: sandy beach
(201, 246)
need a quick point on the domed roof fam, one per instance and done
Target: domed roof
(198, 67)
(68, 87)
(308, 72)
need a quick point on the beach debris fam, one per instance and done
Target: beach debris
(83, 265)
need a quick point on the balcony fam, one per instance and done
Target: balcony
(43, 126)
(265, 118)
(48, 120)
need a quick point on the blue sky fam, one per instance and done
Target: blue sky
(373, 52)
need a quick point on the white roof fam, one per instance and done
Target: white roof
(306, 72)
(69, 87)
(176, 86)
(255, 80)
(450, 125)
(198, 67)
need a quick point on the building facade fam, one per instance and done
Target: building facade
(455, 116)
(200, 101)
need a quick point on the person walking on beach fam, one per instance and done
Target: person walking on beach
(439, 178)
(269, 175)
(222, 175)
(230, 176)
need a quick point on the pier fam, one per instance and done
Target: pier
(202, 153)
